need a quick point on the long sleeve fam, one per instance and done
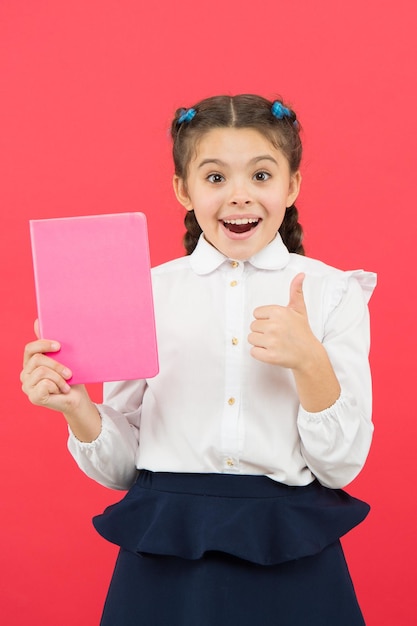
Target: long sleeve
(111, 458)
(335, 442)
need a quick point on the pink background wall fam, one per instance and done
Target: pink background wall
(87, 91)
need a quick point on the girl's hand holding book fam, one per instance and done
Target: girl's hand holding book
(44, 381)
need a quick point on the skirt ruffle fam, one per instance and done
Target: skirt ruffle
(250, 517)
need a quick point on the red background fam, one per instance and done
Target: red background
(87, 91)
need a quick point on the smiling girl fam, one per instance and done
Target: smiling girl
(239, 186)
(236, 453)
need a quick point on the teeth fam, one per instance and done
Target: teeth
(243, 220)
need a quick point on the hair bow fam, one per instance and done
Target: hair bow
(279, 110)
(187, 116)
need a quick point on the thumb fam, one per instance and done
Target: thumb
(296, 301)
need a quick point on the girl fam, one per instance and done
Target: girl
(261, 411)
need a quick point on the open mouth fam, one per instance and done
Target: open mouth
(241, 225)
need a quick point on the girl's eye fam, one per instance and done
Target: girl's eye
(215, 178)
(262, 176)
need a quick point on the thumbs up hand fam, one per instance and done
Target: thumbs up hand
(281, 335)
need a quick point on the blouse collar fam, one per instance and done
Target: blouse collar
(206, 258)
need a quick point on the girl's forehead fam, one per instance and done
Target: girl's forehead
(226, 143)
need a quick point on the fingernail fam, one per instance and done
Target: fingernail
(66, 373)
(55, 345)
(66, 388)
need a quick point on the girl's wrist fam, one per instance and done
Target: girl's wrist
(317, 384)
(314, 357)
(84, 419)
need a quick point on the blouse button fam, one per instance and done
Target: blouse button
(234, 264)
(231, 401)
(233, 283)
(229, 462)
(235, 341)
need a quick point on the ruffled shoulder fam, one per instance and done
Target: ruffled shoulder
(336, 282)
(367, 281)
(339, 282)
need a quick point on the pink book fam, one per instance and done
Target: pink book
(94, 295)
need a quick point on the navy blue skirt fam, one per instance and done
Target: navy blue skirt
(207, 549)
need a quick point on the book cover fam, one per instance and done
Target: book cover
(94, 295)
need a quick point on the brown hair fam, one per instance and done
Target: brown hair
(241, 111)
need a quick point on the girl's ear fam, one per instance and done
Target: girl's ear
(181, 192)
(294, 188)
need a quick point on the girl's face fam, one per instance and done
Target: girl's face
(239, 186)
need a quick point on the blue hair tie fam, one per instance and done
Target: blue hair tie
(279, 110)
(187, 116)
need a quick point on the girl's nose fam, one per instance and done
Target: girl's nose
(240, 196)
(240, 201)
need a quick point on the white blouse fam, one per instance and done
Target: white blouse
(213, 407)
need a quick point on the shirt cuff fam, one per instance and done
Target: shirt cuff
(331, 412)
(90, 444)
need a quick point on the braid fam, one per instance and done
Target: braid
(291, 231)
(193, 233)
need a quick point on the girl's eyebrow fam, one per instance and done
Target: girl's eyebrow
(209, 161)
(262, 157)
